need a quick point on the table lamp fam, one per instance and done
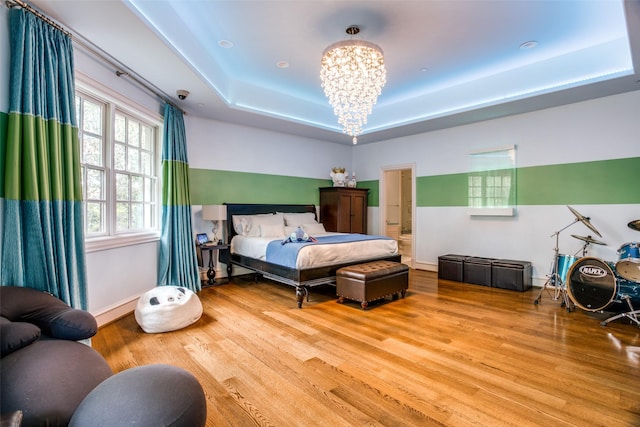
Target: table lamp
(216, 214)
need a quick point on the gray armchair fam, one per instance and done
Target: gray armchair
(48, 378)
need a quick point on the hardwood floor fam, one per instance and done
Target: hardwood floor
(448, 354)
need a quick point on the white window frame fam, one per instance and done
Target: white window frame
(477, 165)
(116, 102)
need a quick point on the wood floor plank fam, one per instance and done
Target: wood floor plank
(449, 353)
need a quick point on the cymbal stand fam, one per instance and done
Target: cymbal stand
(584, 250)
(631, 314)
(553, 278)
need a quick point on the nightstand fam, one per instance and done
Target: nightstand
(213, 249)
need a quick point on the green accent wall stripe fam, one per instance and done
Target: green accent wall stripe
(212, 187)
(599, 182)
(374, 191)
(442, 190)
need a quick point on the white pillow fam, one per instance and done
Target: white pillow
(289, 229)
(239, 223)
(313, 228)
(297, 219)
(249, 225)
(267, 230)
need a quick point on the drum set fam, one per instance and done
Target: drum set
(596, 285)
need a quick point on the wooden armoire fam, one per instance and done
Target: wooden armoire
(344, 209)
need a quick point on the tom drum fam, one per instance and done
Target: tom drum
(628, 265)
(564, 264)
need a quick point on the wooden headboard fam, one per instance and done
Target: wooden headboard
(253, 209)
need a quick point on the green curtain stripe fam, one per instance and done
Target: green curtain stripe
(213, 187)
(176, 189)
(36, 171)
(4, 118)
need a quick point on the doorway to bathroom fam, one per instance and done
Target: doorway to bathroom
(397, 208)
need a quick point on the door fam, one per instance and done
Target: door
(398, 208)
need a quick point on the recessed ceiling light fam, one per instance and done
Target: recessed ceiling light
(282, 64)
(529, 45)
(424, 69)
(225, 44)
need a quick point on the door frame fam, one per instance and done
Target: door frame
(382, 205)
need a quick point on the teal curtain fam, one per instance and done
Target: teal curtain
(178, 263)
(43, 242)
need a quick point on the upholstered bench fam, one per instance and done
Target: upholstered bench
(372, 281)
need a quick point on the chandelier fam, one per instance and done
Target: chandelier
(353, 75)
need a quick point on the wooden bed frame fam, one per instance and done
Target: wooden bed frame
(301, 279)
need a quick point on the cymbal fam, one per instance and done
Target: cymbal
(584, 220)
(634, 225)
(588, 239)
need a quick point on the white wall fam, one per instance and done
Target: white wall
(225, 146)
(605, 128)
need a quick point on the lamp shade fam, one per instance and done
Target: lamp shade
(214, 212)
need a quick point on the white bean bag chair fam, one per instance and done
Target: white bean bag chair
(167, 308)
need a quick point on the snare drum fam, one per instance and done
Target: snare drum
(628, 265)
(564, 264)
(593, 286)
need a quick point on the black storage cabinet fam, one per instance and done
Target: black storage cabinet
(478, 270)
(451, 267)
(511, 274)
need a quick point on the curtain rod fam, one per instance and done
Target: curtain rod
(19, 3)
(120, 69)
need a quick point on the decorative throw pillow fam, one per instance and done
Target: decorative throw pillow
(289, 229)
(16, 335)
(249, 225)
(315, 228)
(267, 230)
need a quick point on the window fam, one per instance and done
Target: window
(492, 182)
(119, 163)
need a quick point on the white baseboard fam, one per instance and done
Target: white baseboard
(425, 266)
(116, 312)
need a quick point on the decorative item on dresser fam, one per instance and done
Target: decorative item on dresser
(339, 176)
(344, 209)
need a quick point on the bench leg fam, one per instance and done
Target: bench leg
(364, 305)
(340, 300)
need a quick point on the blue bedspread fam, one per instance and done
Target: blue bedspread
(287, 254)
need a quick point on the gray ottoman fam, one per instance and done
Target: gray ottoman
(48, 379)
(150, 395)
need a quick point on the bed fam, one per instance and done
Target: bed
(308, 271)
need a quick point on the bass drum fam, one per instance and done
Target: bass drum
(592, 284)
